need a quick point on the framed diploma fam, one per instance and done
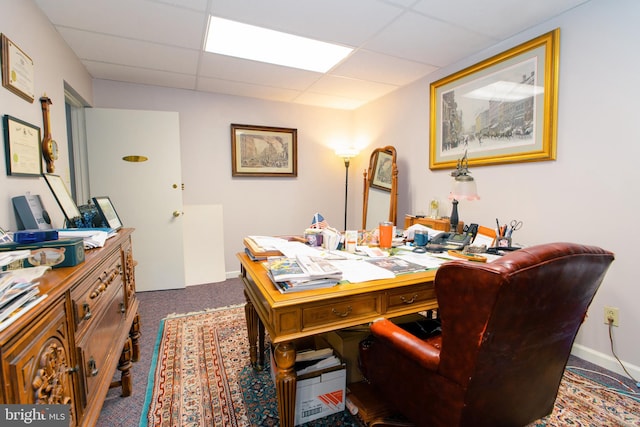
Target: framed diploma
(17, 70)
(22, 147)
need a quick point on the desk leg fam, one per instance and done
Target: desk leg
(285, 358)
(254, 329)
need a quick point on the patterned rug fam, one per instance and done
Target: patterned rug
(200, 376)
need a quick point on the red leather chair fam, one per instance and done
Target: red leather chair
(507, 331)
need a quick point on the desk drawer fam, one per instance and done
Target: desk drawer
(401, 299)
(90, 297)
(96, 350)
(339, 311)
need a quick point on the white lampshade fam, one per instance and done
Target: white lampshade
(464, 188)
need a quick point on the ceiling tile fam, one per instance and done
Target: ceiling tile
(133, 53)
(246, 89)
(135, 19)
(382, 68)
(101, 70)
(236, 69)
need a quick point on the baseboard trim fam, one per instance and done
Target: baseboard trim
(605, 361)
(232, 274)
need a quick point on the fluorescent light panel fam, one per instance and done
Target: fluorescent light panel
(232, 38)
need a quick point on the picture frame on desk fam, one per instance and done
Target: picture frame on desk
(107, 211)
(500, 110)
(263, 151)
(63, 197)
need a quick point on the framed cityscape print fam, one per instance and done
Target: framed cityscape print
(262, 151)
(501, 110)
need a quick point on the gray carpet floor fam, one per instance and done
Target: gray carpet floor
(154, 306)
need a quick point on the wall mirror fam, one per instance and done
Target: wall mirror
(380, 188)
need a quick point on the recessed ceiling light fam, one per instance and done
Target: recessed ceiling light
(232, 38)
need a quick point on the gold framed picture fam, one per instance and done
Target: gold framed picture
(501, 110)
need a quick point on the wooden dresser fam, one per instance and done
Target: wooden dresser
(66, 349)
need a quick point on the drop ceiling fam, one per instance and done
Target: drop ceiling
(159, 42)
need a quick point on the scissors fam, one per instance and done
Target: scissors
(515, 225)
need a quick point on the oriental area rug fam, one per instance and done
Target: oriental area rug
(201, 376)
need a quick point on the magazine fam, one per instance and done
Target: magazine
(396, 265)
(282, 269)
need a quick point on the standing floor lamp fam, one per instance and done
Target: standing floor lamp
(347, 154)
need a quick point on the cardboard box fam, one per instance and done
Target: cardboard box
(55, 253)
(347, 343)
(318, 394)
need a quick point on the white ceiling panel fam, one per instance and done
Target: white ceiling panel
(382, 68)
(396, 42)
(134, 53)
(258, 73)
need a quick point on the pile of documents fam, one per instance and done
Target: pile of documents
(302, 272)
(315, 360)
(19, 292)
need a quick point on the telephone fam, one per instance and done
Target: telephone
(453, 241)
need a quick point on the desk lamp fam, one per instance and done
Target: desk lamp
(347, 154)
(464, 188)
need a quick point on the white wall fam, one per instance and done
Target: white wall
(258, 206)
(54, 63)
(588, 195)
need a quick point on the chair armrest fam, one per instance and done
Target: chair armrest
(409, 345)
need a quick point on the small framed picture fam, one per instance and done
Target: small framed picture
(63, 197)
(107, 211)
(263, 151)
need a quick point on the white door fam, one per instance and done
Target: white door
(147, 195)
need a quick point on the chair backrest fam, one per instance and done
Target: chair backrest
(508, 326)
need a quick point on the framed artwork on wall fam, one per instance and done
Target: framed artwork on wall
(23, 150)
(262, 151)
(501, 110)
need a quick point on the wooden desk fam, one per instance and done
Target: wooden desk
(302, 314)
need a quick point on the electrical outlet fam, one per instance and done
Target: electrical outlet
(611, 313)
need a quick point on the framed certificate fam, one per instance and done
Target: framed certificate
(17, 70)
(22, 147)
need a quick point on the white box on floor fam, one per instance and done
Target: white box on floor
(319, 393)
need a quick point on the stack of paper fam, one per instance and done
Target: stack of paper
(302, 273)
(92, 237)
(18, 293)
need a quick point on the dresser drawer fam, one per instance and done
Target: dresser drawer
(96, 349)
(90, 297)
(401, 299)
(344, 310)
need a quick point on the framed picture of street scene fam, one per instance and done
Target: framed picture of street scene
(263, 151)
(501, 110)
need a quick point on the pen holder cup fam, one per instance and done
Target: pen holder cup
(503, 242)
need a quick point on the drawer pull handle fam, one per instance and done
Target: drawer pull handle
(410, 301)
(122, 308)
(343, 314)
(87, 311)
(73, 370)
(93, 368)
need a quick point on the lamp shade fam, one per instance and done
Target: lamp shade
(464, 188)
